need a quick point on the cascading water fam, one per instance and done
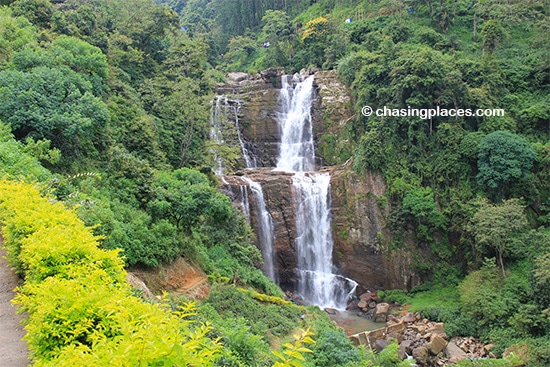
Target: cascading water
(265, 230)
(216, 135)
(222, 108)
(249, 159)
(245, 203)
(317, 284)
(296, 150)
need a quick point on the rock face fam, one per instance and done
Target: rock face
(277, 189)
(359, 207)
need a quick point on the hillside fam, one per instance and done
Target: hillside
(106, 113)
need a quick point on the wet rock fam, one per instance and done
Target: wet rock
(331, 311)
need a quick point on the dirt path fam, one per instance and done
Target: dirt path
(13, 350)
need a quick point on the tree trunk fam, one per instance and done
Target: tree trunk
(475, 24)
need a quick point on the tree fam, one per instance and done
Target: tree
(15, 34)
(420, 204)
(498, 226)
(314, 38)
(493, 34)
(52, 103)
(504, 159)
(186, 197)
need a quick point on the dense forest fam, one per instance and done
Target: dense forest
(105, 164)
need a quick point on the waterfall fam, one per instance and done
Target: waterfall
(216, 135)
(317, 284)
(296, 150)
(245, 204)
(223, 109)
(265, 230)
(249, 159)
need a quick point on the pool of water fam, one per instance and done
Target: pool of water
(353, 324)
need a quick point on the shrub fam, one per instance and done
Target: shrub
(81, 311)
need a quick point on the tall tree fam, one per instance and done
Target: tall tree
(504, 159)
(498, 226)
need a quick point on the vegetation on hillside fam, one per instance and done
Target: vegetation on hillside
(469, 194)
(104, 108)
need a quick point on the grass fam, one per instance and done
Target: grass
(436, 297)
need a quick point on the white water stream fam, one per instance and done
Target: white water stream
(317, 284)
(265, 230)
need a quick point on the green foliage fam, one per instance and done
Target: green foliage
(490, 299)
(511, 361)
(394, 295)
(80, 307)
(186, 198)
(498, 226)
(39, 12)
(15, 34)
(55, 95)
(292, 355)
(16, 161)
(263, 319)
(421, 205)
(333, 348)
(504, 159)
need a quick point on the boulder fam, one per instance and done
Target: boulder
(381, 314)
(366, 297)
(362, 304)
(409, 317)
(406, 346)
(436, 344)
(272, 73)
(454, 353)
(420, 354)
(438, 328)
(380, 344)
(331, 311)
(236, 77)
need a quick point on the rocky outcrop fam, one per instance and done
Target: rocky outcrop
(424, 340)
(359, 204)
(361, 239)
(277, 190)
(332, 112)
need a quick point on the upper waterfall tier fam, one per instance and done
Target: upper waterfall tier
(296, 149)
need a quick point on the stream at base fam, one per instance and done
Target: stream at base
(353, 324)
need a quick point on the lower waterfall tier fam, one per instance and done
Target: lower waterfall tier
(357, 227)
